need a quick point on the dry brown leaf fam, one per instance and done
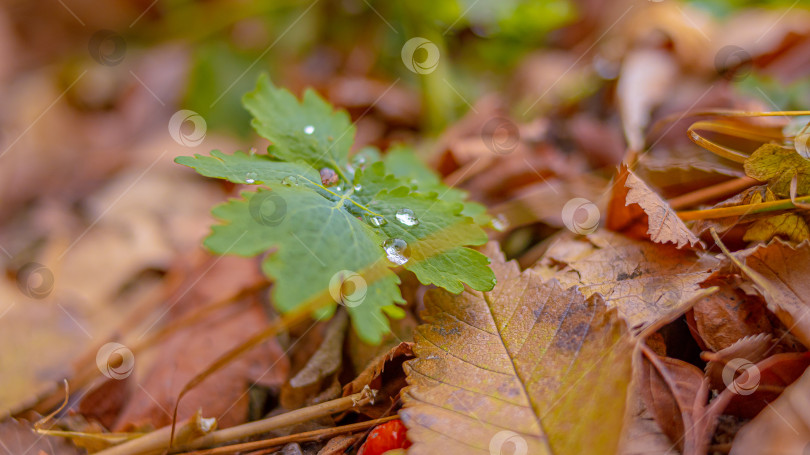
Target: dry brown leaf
(663, 224)
(647, 282)
(728, 315)
(188, 352)
(384, 375)
(676, 394)
(528, 363)
(751, 348)
(320, 371)
(339, 444)
(782, 428)
(752, 389)
(783, 281)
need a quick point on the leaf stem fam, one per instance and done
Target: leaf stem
(740, 210)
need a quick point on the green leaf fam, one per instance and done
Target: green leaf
(403, 163)
(337, 240)
(778, 165)
(309, 130)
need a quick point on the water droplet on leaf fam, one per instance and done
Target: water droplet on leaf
(377, 221)
(250, 177)
(407, 217)
(358, 187)
(396, 250)
(290, 180)
(309, 129)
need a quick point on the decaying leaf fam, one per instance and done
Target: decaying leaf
(647, 282)
(320, 372)
(18, 437)
(663, 224)
(751, 348)
(783, 427)
(728, 315)
(529, 363)
(779, 272)
(675, 393)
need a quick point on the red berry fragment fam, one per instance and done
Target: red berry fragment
(384, 437)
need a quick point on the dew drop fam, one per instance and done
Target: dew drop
(377, 221)
(407, 217)
(396, 250)
(290, 180)
(358, 187)
(309, 129)
(802, 142)
(250, 177)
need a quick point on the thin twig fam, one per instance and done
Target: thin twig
(315, 435)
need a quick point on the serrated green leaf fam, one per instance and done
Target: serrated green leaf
(404, 164)
(309, 130)
(778, 165)
(321, 237)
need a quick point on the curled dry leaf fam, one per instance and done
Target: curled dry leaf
(647, 282)
(751, 348)
(784, 427)
(753, 387)
(385, 375)
(635, 202)
(528, 363)
(676, 394)
(728, 315)
(779, 272)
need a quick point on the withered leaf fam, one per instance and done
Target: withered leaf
(647, 282)
(729, 314)
(529, 365)
(779, 271)
(676, 394)
(751, 348)
(778, 165)
(663, 224)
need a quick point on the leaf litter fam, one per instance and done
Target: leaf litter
(600, 247)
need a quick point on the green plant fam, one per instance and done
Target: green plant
(337, 223)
